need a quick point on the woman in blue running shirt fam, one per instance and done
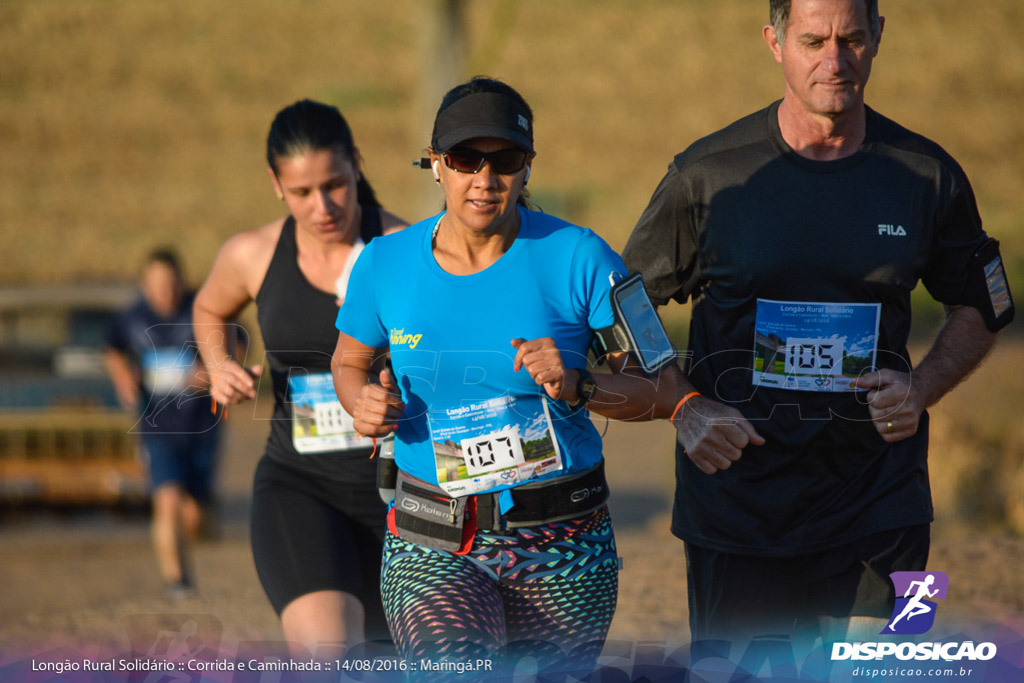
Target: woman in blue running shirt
(500, 543)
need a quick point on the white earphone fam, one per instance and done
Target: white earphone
(526, 178)
(437, 174)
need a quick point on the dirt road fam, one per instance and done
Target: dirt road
(86, 583)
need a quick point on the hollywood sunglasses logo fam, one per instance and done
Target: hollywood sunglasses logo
(914, 614)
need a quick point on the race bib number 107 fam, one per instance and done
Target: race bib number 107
(494, 451)
(495, 442)
(809, 346)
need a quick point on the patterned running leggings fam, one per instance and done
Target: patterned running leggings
(547, 592)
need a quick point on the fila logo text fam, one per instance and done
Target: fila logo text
(892, 230)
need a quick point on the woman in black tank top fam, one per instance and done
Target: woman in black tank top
(317, 520)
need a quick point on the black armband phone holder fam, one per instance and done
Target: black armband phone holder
(637, 328)
(987, 288)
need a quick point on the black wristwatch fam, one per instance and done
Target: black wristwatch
(586, 387)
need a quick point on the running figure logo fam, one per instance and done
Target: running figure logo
(914, 613)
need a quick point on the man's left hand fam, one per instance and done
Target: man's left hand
(894, 403)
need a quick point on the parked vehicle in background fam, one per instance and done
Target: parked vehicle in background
(63, 437)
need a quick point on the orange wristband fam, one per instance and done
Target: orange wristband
(682, 401)
(373, 453)
(213, 407)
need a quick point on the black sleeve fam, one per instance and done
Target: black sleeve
(116, 337)
(663, 246)
(957, 237)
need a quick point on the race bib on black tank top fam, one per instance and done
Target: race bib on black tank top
(319, 423)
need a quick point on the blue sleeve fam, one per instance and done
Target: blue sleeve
(359, 316)
(595, 268)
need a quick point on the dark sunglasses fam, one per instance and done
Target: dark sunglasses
(503, 162)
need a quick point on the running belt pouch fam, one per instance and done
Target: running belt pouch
(426, 515)
(557, 500)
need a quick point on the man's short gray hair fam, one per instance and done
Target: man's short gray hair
(778, 15)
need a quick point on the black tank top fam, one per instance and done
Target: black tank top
(297, 322)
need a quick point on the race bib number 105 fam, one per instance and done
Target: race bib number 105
(822, 356)
(809, 346)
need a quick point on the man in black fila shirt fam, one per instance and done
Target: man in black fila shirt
(798, 233)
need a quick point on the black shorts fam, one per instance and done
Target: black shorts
(315, 534)
(734, 597)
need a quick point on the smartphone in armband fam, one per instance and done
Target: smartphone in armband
(989, 290)
(638, 328)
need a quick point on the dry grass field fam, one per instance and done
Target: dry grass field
(125, 124)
